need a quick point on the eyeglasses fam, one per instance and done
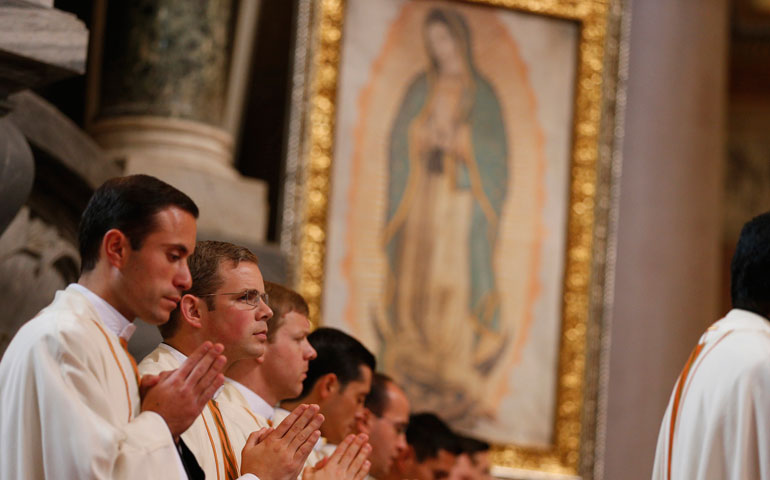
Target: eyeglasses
(249, 297)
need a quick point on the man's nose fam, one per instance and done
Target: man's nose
(183, 279)
(360, 412)
(263, 312)
(310, 353)
(401, 443)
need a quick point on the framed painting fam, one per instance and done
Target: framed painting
(449, 195)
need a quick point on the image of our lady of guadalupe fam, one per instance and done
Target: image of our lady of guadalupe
(447, 183)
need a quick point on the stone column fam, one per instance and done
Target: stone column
(38, 45)
(669, 226)
(159, 100)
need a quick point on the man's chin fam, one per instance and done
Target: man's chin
(257, 351)
(154, 321)
(156, 318)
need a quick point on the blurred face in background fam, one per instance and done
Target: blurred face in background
(387, 433)
(344, 407)
(436, 468)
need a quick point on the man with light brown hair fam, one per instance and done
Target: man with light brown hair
(279, 374)
(227, 304)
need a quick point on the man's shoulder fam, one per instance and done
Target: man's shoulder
(279, 415)
(157, 361)
(231, 394)
(239, 413)
(68, 319)
(740, 336)
(732, 361)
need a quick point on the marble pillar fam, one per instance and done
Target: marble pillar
(159, 88)
(670, 223)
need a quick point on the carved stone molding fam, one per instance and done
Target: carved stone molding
(35, 261)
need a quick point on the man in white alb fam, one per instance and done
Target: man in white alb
(717, 424)
(71, 405)
(226, 303)
(279, 373)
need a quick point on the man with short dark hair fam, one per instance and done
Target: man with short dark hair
(385, 423)
(71, 404)
(717, 424)
(472, 462)
(227, 303)
(431, 452)
(338, 380)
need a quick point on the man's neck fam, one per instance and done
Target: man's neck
(98, 282)
(249, 374)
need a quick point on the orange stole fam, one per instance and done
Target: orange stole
(124, 344)
(231, 467)
(678, 394)
(117, 362)
(677, 398)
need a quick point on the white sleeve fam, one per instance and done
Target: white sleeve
(57, 412)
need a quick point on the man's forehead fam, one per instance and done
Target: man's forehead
(174, 227)
(291, 325)
(361, 384)
(366, 374)
(296, 321)
(398, 403)
(243, 276)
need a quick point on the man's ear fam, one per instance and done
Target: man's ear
(190, 308)
(327, 385)
(115, 247)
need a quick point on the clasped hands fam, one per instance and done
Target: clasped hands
(278, 453)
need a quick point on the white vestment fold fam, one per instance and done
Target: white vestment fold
(721, 427)
(202, 438)
(241, 420)
(70, 406)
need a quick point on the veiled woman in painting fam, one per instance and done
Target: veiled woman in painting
(448, 177)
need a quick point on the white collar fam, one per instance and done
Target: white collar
(181, 357)
(256, 403)
(112, 319)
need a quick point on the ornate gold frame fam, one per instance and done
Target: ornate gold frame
(595, 165)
